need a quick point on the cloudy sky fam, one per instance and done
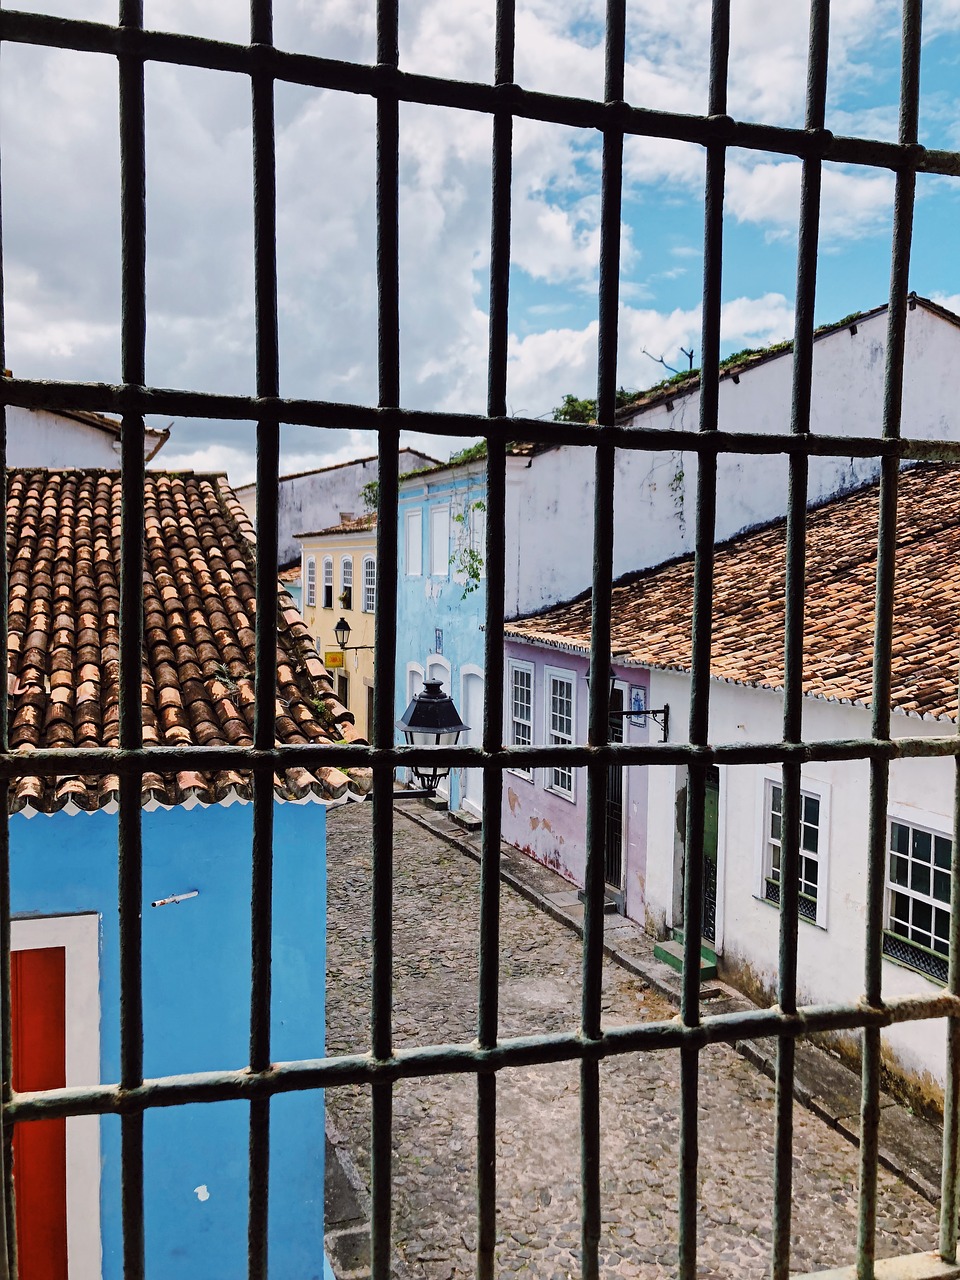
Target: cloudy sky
(60, 196)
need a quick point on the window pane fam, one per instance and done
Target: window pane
(899, 837)
(775, 826)
(922, 916)
(942, 849)
(920, 878)
(776, 801)
(941, 886)
(922, 845)
(811, 810)
(899, 870)
(899, 908)
(810, 838)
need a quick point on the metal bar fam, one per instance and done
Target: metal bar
(264, 731)
(599, 695)
(330, 415)
(133, 372)
(883, 639)
(793, 634)
(388, 353)
(488, 980)
(434, 1060)
(701, 641)
(583, 113)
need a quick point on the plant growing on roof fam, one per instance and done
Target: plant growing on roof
(370, 495)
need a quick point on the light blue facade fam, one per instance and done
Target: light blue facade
(441, 599)
(196, 991)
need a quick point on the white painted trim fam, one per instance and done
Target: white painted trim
(566, 674)
(80, 936)
(812, 786)
(721, 858)
(414, 514)
(526, 775)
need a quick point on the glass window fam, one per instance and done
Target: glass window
(918, 898)
(346, 582)
(560, 711)
(521, 709)
(809, 869)
(327, 601)
(311, 583)
(369, 584)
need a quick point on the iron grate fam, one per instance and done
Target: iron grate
(503, 101)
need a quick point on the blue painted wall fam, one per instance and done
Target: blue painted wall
(430, 603)
(196, 987)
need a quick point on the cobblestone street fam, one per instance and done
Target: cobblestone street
(435, 999)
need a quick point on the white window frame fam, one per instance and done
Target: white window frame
(937, 826)
(814, 789)
(368, 598)
(413, 543)
(514, 667)
(346, 581)
(79, 935)
(441, 511)
(552, 738)
(326, 597)
(310, 583)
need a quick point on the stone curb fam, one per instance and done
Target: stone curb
(911, 1151)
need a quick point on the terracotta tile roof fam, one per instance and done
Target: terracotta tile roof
(199, 601)
(652, 610)
(358, 524)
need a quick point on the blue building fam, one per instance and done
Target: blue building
(441, 600)
(199, 600)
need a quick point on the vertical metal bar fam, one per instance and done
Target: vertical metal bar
(701, 640)
(495, 553)
(133, 372)
(264, 732)
(949, 1188)
(599, 725)
(385, 630)
(793, 632)
(8, 1235)
(883, 637)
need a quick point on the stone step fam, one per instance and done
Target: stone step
(468, 821)
(671, 952)
(707, 949)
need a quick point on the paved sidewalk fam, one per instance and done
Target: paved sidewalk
(435, 994)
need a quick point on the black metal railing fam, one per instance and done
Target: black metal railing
(503, 101)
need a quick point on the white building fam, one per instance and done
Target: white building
(322, 498)
(550, 489)
(45, 438)
(652, 634)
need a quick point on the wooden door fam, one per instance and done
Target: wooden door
(38, 991)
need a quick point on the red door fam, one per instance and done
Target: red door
(38, 990)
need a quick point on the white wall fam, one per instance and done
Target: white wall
(36, 438)
(315, 500)
(549, 523)
(831, 959)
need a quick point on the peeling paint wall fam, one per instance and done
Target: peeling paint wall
(548, 826)
(831, 958)
(196, 986)
(550, 496)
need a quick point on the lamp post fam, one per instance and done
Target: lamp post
(430, 720)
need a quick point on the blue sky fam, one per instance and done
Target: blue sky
(60, 202)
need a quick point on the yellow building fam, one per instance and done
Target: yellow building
(339, 577)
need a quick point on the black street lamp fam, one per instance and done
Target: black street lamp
(342, 632)
(431, 720)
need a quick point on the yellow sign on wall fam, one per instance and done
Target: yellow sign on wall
(332, 659)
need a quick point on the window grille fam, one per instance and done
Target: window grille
(502, 101)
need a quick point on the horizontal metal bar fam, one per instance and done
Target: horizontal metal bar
(63, 763)
(387, 81)
(102, 397)
(455, 1059)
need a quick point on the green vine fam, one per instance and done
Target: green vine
(466, 561)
